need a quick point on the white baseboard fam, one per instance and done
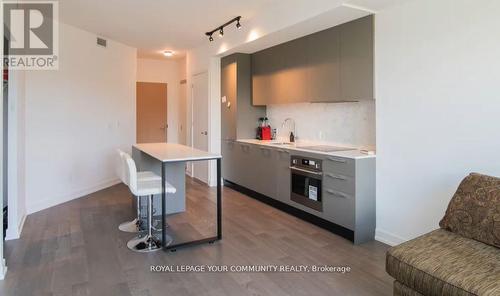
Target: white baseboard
(15, 233)
(388, 238)
(50, 202)
(3, 269)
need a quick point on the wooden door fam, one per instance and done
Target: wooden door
(151, 112)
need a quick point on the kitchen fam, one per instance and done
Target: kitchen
(298, 127)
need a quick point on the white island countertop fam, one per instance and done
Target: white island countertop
(353, 154)
(168, 152)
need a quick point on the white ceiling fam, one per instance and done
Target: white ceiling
(156, 25)
(153, 26)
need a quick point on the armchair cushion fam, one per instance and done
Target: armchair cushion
(441, 263)
(474, 210)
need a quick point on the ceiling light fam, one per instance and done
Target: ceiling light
(221, 28)
(168, 53)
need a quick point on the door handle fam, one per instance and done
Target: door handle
(336, 193)
(336, 177)
(305, 171)
(337, 159)
(204, 133)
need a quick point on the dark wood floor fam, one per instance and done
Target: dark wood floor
(76, 249)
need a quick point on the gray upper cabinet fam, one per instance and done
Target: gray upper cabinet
(333, 65)
(238, 119)
(356, 59)
(292, 79)
(323, 52)
(263, 86)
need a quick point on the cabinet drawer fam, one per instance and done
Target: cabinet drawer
(339, 165)
(338, 207)
(338, 182)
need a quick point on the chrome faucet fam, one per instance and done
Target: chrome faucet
(289, 119)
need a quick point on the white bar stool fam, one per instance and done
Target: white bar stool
(133, 226)
(138, 188)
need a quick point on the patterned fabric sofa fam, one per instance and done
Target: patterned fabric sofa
(463, 256)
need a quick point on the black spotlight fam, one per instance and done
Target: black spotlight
(221, 28)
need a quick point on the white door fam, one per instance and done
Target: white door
(200, 123)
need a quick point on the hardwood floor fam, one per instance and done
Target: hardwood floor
(76, 249)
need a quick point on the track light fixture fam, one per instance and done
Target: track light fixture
(221, 28)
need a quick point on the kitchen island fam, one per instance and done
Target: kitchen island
(169, 161)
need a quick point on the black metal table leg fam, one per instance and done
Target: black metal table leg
(219, 214)
(219, 200)
(163, 206)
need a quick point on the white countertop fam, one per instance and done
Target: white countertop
(167, 152)
(354, 154)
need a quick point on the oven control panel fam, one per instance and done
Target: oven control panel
(306, 163)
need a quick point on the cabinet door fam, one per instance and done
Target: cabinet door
(356, 56)
(283, 175)
(265, 65)
(264, 161)
(243, 163)
(292, 79)
(228, 89)
(323, 53)
(228, 160)
(338, 207)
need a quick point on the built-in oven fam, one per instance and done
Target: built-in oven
(306, 182)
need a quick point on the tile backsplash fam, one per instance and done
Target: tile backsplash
(351, 124)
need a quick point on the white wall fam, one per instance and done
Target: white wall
(438, 108)
(348, 124)
(16, 154)
(76, 117)
(3, 268)
(183, 96)
(171, 73)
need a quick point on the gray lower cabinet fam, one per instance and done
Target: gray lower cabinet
(283, 175)
(338, 207)
(264, 164)
(349, 195)
(229, 170)
(348, 187)
(244, 174)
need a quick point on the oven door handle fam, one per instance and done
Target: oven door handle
(306, 171)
